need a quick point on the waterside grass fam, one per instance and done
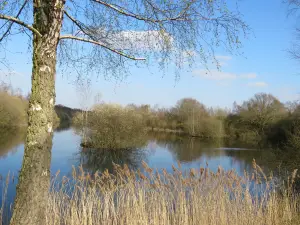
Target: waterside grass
(197, 196)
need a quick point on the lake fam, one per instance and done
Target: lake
(160, 151)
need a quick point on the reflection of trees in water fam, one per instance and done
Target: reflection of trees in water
(264, 158)
(9, 140)
(100, 159)
(275, 160)
(62, 127)
(287, 160)
(191, 149)
(187, 149)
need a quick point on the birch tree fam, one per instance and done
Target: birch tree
(104, 37)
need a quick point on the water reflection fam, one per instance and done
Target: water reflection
(194, 152)
(9, 140)
(159, 150)
(190, 149)
(100, 159)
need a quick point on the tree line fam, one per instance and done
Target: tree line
(262, 118)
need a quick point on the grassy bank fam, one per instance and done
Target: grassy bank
(195, 197)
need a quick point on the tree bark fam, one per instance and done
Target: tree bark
(34, 179)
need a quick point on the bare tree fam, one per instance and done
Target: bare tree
(102, 36)
(260, 111)
(84, 93)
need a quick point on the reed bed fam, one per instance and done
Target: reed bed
(150, 197)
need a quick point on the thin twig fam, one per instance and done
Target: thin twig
(100, 44)
(10, 26)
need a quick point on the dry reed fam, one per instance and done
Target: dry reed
(198, 196)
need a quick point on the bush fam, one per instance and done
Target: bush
(12, 110)
(208, 127)
(78, 119)
(212, 127)
(115, 127)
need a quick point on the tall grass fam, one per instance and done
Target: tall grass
(197, 196)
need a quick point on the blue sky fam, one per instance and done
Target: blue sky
(264, 66)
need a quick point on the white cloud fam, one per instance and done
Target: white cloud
(135, 40)
(223, 57)
(220, 75)
(249, 76)
(258, 84)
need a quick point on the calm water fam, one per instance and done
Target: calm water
(160, 151)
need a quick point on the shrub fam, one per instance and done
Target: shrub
(115, 127)
(12, 110)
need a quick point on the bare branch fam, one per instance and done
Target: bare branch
(179, 17)
(21, 23)
(80, 25)
(102, 45)
(161, 32)
(11, 24)
(294, 6)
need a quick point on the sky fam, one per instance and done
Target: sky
(263, 66)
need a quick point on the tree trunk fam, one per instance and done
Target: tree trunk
(34, 179)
